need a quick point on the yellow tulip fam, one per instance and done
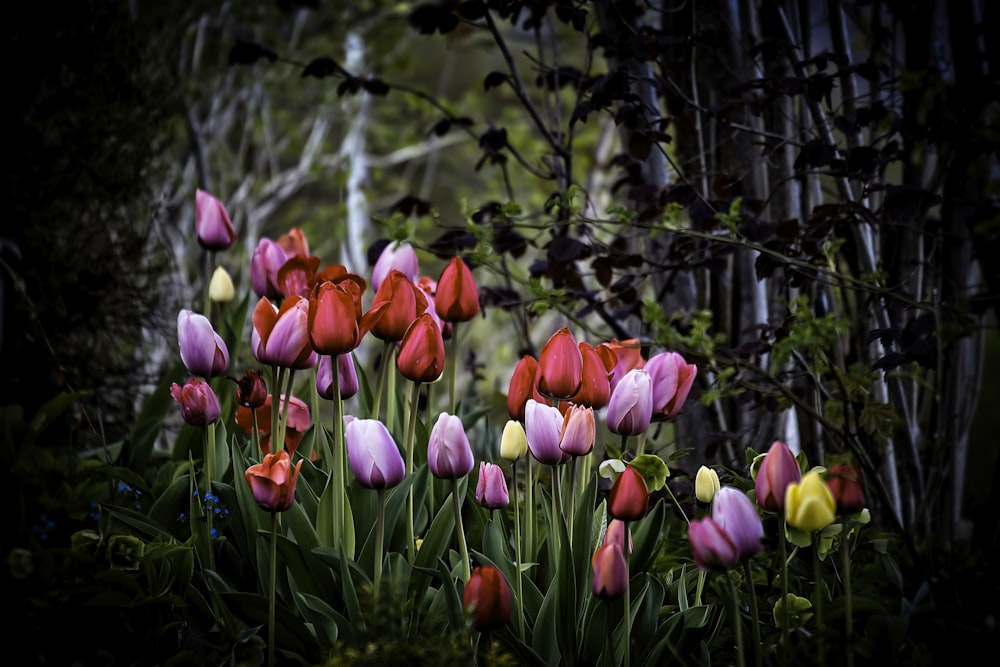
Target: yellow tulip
(809, 505)
(513, 442)
(706, 484)
(220, 287)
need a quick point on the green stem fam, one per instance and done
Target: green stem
(460, 529)
(640, 446)
(818, 599)
(754, 613)
(386, 360)
(517, 561)
(453, 366)
(624, 446)
(273, 591)
(786, 621)
(572, 497)
(627, 601)
(411, 429)
(255, 436)
(554, 534)
(379, 541)
(677, 504)
(845, 560)
(700, 588)
(734, 617)
(276, 377)
(283, 426)
(529, 507)
(209, 445)
(337, 465)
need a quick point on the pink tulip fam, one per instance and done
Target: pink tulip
(449, 455)
(347, 376)
(631, 406)
(711, 546)
(672, 380)
(610, 572)
(203, 351)
(578, 431)
(267, 260)
(212, 225)
(280, 337)
(375, 460)
(399, 256)
(491, 489)
(543, 426)
(778, 469)
(199, 404)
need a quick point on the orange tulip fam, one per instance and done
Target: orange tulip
(272, 481)
(560, 366)
(333, 323)
(421, 354)
(457, 296)
(487, 597)
(595, 387)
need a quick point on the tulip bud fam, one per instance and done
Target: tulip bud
(267, 260)
(198, 402)
(272, 481)
(629, 496)
(347, 376)
(396, 303)
(457, 296)
(560, 366)
(280, 337)
(543, 428)
(737, 516)
(333, 324)
(845, 483)
(778, 470)
(578, 431)
(220, 287)
(449, 455)
(513, 441)
(610, 572)
(251, 390)
(711, 547)
(595, 387)
(617, 533)
(211, 222)
(809, 505)
(203, 351)
(706, 484)
(672, 378)
(374, 457)
(631, 405)
(399, 256)
(522, 387)
(491, 489)
(421, 355)
(487, 598)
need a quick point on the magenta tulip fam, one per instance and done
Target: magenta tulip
(267, 260)
(737, 516)
(711, 546)
(491, 489)
(203, 351)
(347, 376)
(212, 225)
(399, 256)
(610, 572)
(672, 379)
(631, 406)
(199, 404)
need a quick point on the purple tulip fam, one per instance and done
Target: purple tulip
(401, 257)
(373, 455)
(199, 404)
(631, 406)
(672, 379)
(267, 260)
(211, 222)
(346, 374)
(543, 426)
(737, 516)
(711, 546)
(491, 489)
(203, 351)
(449, 455)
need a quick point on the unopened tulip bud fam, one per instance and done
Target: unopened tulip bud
(711, 546)
(212, 225)
(449, 455)
(777, 471)
(631, 406)
(736, 514)
(374, 457)
(487, 597)
(198, 402)
(220, 287)
(629, 496)
(809, 505)
(610, 572)
(491, 489)
(845, 482)
(706, 484)
(560, 366)
(457, 296)
(513, 441)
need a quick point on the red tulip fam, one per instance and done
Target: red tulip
(212, 225)
(251, 390)
(845, 483)
(297, 275)
(778, 469)
(629, 497)
(457, 296)
(272, 481)
(595, 387)
(523, 387)
(333, 323)
(281, 337)
(396, 304)
(199, 404)
(487, 597)
(560, 366)
(421, 355)
(610, 572)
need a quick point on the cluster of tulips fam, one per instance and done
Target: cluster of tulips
(313, 318)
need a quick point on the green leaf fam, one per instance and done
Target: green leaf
(654, 470)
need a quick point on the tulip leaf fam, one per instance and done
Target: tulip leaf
(323, 618)
(653, 469)
(291, 634)
(646, 538)
(435, 542)
(647, 615)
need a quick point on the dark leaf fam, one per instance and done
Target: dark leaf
(350, 85)
(451, 243)
(494, 79)
(441, 127)
(567, 249)
(603, 272)
(247, 53)
(639, 146)
(889, 361)
(814, 153)
(321, 68)
(506, 240)
(906, 202)
(493, 140)
(463, 121)
(429, 18)
(863, 162)
(787, 231)
(580, 113)
(472, 10)
(375, 86)
(411, 205)
(501, 297)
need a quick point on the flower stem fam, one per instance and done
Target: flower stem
(818, 601)
(754, 613)
(572, 497)
(517, 561)
(460, 529)
(411, 428)
(627, 600)
(734, 617)
(845, 560)
(209, 445)
(273, 591)
(453, 367)
(337, 466)
(276, 377)
(383, 371)
(284, 410)
(786, 621)
(679, 508)
(556, 515)
(255, 437)
(379, 541)
(529, 510)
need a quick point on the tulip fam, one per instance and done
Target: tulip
(352, 282)
(333, 323)
(198, 402)
(211, 222)
(616, 534)
(809, 505)
(272, 481)
(631, 406)
(267, 260)
(560, 366)
(737, 516)
(845, 483)
(297, 275)
(778, 470)
(294, 243)
(449, 455)
(395, 256)
(457, 296)
(491, 489)
(347, 377)
(711, 546)
(513, 441)
(595, 386)
(220, 287)
(578, 431)
(373, 454)
(706, 484)
(396, 303)
(299, 421)
(421, 354)
(629, 496)
(203, 351)
(523, 387)
(280, 337)
(543, 428)
(672, 379)
(487, 598)
(610, 572)
(628, 355)
(251, 390)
